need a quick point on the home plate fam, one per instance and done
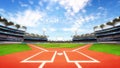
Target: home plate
(59, 53)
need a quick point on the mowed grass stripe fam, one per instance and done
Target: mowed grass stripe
(107, 48)
(59, 45)
(12, 48)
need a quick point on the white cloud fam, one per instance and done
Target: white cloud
(74, 5)
(101, 8)
(23, 4)
(2, 11)
(79, 22)
(71, 6)
(90, 18)
(45, 0)
(27, 18)
(83, 10)
(47, 8)
(71, 29)
(52, 29)
(40, 3)
(50, 20)
(59, 38)
(57, 8)
(31, 2)
(44, 29)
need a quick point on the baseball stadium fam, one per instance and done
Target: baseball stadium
(59, 34)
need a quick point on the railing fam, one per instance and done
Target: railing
(11, 29)
(108, 30)
(8, 33)
(112, 33)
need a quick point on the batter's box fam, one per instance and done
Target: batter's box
(76, 56)
(42, 56)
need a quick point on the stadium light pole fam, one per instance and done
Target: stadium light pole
(43, 32)
(76, 32)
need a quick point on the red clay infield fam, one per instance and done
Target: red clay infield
(60, 58)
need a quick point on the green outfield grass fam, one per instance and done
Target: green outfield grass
(60, 45)
(12, 48)
(107, 48)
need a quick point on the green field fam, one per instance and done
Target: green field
(59, 45)
(107, 48)
(12, 48)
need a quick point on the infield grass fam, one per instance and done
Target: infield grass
(12, 48)
(107, 48)
(60, 45)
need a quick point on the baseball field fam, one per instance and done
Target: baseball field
(60, 55)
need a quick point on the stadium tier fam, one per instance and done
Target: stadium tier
(109, 34)
(105, 35)
(84, 38)
(10, 34)
(35, 38)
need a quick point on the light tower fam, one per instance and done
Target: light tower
(75, 32)
(44, 30)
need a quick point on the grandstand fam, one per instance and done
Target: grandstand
(17, 35)
(10, 34)
(111, 34)
(35, 38)
(84, 38)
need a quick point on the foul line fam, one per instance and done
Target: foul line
(93, 60)
(67, 59)
(76, 62)
(82, 61)
(40, 61)
(26, 60)
(39, 48)
(78, 65)
(41, 66)
(80, 48)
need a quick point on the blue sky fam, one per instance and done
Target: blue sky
(60, 19)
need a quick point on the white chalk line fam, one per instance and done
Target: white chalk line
(94, 60)
(26, 60)
(82, 61)
(43, 62)
(39, 48)
(80, 48)
(52, 60)
(66, 57)
(42, 65)
(78, 65)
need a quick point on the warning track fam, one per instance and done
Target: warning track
(59, 58)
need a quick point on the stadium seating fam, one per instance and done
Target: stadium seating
(84, 38)
(105, 35)
(111, 34)
(10, 34)
(35, 38)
